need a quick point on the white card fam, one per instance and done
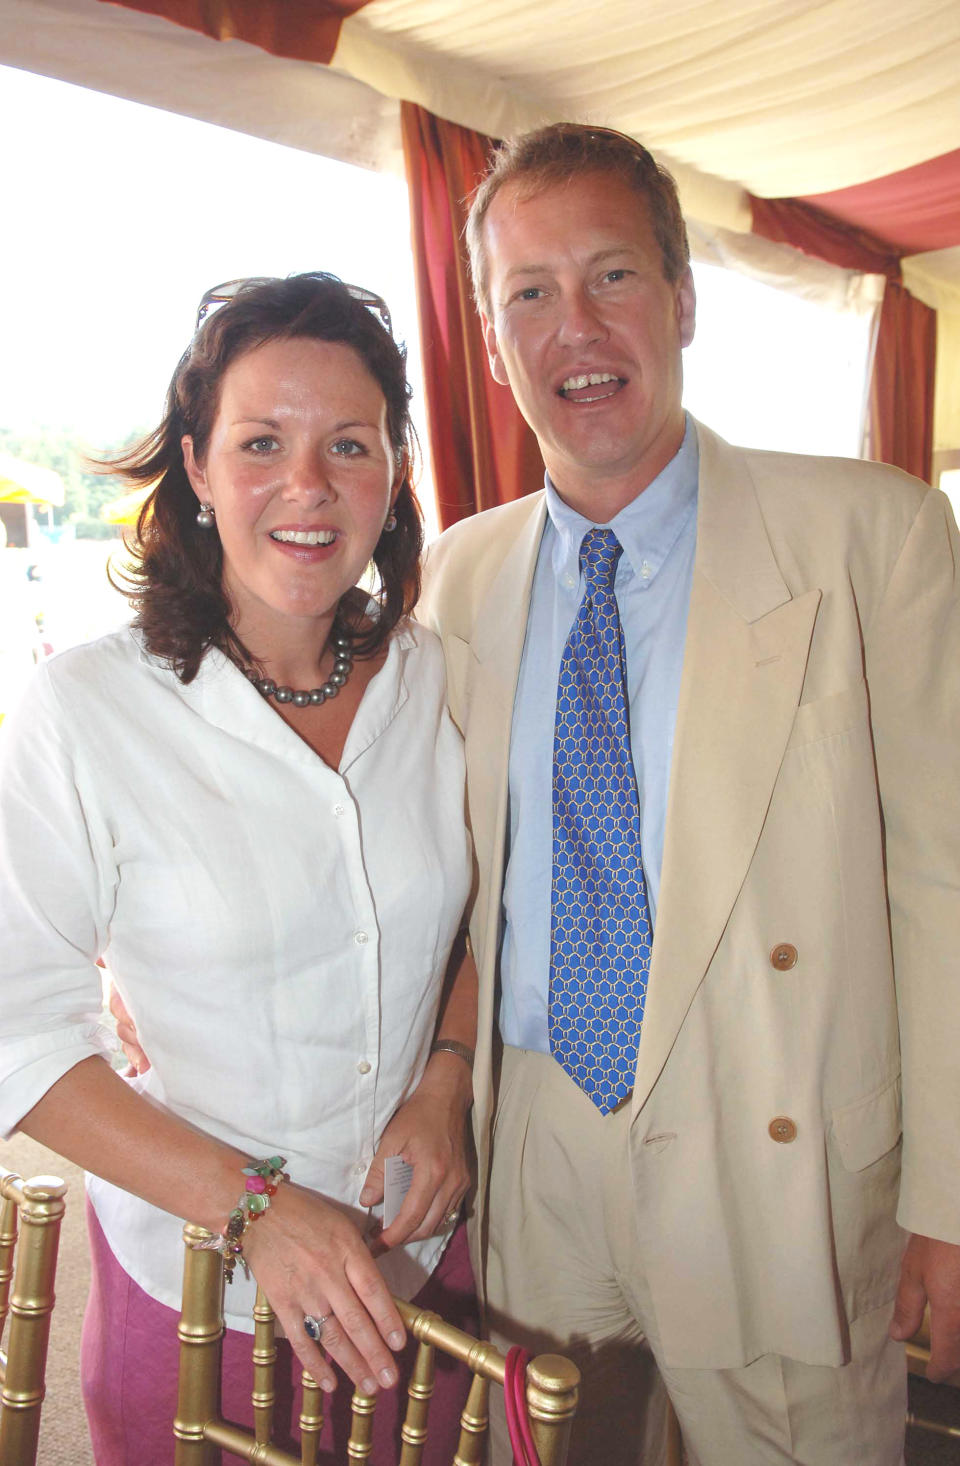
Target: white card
(397, 1175)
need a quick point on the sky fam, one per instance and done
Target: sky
(117, 217)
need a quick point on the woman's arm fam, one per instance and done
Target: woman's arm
(429, 1129)
(307, 1256)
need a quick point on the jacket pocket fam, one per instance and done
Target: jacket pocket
(827, 717)
(868, 1128)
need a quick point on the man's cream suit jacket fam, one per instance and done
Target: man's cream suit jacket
(813, 804)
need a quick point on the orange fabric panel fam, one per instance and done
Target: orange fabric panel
(916, 209)
(902, 388)
(811, 229)
(904, 367)
(483, 451)
(303, 30)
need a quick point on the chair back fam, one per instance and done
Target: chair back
(201, 1431)
(30, 1217)
(918, 1357)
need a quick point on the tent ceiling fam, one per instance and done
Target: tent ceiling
(782, 96)
(917, 210)
(146, 59)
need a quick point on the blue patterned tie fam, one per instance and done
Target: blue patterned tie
(600, 922)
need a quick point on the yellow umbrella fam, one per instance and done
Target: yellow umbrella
(26, 483)
(126, 509)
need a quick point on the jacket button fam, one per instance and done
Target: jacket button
(782, 1129)
(783, 956)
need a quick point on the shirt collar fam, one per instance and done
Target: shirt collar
(647, 528)
(225, 697)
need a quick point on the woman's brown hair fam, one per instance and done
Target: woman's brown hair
(174, 579)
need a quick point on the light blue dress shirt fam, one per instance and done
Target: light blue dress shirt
(658, 533)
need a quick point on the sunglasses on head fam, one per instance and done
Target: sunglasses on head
(219, 295)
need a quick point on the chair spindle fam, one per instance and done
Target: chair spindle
(41, 1206)
(200, 1430)
(413, 1432)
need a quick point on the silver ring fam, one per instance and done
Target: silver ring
(451, 1217)
(314, 1326)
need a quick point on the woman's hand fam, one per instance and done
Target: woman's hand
(429, 1132)
(309, 1258)
(304, 1250)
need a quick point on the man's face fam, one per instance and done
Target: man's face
(587, 332)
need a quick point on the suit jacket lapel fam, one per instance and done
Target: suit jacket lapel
(497, 646)
(746, 653)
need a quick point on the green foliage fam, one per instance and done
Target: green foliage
(86, 491)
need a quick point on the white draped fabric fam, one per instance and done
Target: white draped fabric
(781, 97)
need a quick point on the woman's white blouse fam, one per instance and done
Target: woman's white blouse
(279, 930)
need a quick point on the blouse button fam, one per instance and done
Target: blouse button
(363, 1067)
(783, 956)
(360, 938)
(338, 810)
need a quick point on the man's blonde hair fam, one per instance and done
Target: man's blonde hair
(564, 151)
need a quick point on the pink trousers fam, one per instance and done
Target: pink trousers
(128, 1365)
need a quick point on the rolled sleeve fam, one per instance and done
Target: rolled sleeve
(32, 1065)
(55, 894)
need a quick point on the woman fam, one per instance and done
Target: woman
(253, 804)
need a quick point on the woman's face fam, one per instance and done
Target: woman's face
(301, 475)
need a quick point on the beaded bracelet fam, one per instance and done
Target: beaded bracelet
(262, 1180)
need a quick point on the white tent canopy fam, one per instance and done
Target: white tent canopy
(775, 96)
(781, 97)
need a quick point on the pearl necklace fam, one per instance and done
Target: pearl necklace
(342, 667)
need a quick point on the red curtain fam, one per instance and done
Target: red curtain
(304, 30)
(904, 369)
(916, 209)
(902, 389)
(483, 452)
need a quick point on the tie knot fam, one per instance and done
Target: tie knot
(599, 553)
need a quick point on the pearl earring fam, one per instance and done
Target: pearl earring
(205, 516)
(390, 523)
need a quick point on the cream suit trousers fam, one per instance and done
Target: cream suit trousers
(565, 1273)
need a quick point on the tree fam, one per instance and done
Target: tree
(86, 491)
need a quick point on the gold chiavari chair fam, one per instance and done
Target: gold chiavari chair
(201, 1431)
(918, 1357)
(30, 1217)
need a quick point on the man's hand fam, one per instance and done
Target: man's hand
(429, 1131)
(930, 1272)
(127, 1034)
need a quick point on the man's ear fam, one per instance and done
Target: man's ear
(196, 475)
(497, 369)
(686, 297)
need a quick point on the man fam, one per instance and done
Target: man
(694, 1147)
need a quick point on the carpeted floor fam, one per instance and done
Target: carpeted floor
(63, 1427)
(63, 1435)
